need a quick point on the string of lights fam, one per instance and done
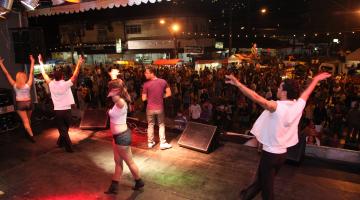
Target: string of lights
(255, 35)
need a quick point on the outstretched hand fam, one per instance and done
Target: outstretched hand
(40, 59)
(32, 60)
(1, 60)
(322, 76)
(230, 79)
(81, 60)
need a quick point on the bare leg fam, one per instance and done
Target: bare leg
(26, 122)
(29, 113)
(118, 163)
(126, 155)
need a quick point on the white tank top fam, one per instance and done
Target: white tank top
(22, 93)
(118, 115)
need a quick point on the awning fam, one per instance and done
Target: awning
(167, 62)
(354, 56)
(207, 61)
(86, 6)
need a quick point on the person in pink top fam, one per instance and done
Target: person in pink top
(276, 129)
(154, 92)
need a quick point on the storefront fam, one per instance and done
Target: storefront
(168, 62)
(209, 64)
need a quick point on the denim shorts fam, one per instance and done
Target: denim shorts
(123, 139)
(23, 105)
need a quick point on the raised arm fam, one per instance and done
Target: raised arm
(42, 70)
(8, 76)
(307, 92)
(31, 73)
(77, 69)
(120, 103)
(297, 110)
(266, 104)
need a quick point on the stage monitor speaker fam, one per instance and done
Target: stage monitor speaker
(197, 136)
(94, 119)
(27, 41)
(296, 153)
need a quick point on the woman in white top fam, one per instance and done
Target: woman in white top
(121, 136)
(22, 85)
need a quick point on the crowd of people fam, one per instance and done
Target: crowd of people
(330, 116)
(203, 96)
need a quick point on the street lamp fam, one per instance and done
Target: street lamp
(263, 11)
(175, 29)
(162, 21)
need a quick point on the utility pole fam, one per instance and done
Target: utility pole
(346, 24)
(230, 28)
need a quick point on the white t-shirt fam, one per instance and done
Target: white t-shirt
(195, 111)
(118, 115)
(61, 94)
(279, 130)
(22, 93)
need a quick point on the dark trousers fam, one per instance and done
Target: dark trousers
(269, 166)
(63, 120)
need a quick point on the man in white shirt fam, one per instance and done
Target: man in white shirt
(62, 98)
(195, 110)
(276, 128)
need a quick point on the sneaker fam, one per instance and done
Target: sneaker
(151, 145)
(165, 146)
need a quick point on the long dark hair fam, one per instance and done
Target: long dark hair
(120, 86)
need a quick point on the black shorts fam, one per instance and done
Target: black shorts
(124, 138)
(23, 105)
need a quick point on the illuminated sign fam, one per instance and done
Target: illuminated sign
(118, 46)
(219, 45)
(193, 50)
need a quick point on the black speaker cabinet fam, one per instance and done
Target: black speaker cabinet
(94, 119)
(197, 136)
(6, 97)
(27, 41)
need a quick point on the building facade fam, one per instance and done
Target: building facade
(142, 40)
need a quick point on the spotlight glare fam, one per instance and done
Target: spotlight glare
(30, 4)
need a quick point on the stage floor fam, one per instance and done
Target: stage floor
(43, 171)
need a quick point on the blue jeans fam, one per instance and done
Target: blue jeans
(151, 115)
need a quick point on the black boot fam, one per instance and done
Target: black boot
(30, 138)
(113, 188)
(60, 142)
(138, 184)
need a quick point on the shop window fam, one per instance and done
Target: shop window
(133, 29)
(102, 35)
